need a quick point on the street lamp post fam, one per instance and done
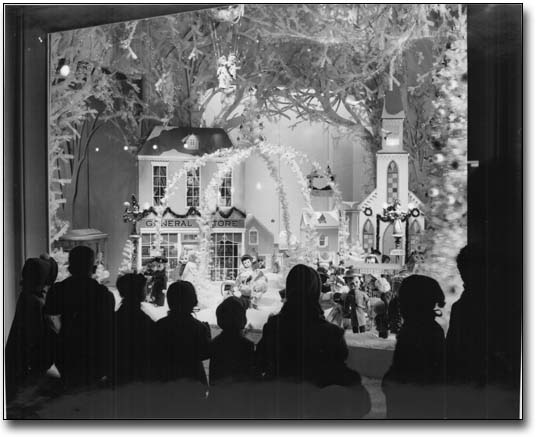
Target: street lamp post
(132, 214)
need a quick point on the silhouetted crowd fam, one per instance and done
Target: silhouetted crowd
(297, 370)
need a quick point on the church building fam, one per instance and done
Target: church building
(390, 219)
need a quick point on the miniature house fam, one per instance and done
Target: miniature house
(234, 232)
(326, 224)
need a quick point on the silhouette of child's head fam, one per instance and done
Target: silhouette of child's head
(53, 268)
(81, 261)
(131, 287)
(231, 315)
(35, 274)
(303, 285)
(468, 262)
(181, 297)
(418, 296)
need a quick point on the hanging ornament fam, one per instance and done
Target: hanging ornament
(226, 72)
(433, 192)
(230, 14)
(438, 158)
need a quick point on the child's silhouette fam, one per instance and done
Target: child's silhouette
(414, 385)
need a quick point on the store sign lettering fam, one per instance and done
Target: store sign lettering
(228, 223)
(192, 223)
(172, 223)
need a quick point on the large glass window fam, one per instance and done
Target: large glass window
(224, 255)
(392, 183)
(168, 248)
(225, 191)
(193, 188)
(159, 183)
(368, 238)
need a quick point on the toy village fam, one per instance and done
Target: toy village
(233, 196)
(208, 149)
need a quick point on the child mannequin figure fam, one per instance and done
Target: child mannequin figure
(356, 303)
(159, 281)
(250, 283)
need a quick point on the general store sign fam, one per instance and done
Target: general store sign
(190, 223)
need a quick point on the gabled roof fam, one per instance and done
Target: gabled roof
(320, 219)
(172, 139)
(368, 201)
(415, 200)
(251, 220)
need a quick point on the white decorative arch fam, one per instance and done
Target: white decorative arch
(231, 158)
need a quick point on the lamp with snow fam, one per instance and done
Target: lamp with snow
(395, 214)
(132, 214)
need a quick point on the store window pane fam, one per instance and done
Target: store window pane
(159, 183)
(193, 182)
(225, 190)
(224, 255)
(167, 248)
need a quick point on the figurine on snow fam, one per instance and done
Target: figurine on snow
(157, 272)
(251, 282)
(355, 303)
(350, 306)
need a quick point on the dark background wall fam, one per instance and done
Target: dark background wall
(113, 178)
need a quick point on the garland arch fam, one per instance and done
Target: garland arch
(233, 157)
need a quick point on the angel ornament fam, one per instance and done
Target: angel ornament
(226, 72)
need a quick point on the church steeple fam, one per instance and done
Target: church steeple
(392, 160)
(392, 122)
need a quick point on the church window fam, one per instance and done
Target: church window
(414, 235)
(392, 183)
(368, 238)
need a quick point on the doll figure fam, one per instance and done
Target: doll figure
(159, 281)
(355, 303)
(251, 282)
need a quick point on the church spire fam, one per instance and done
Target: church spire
(392, 122)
